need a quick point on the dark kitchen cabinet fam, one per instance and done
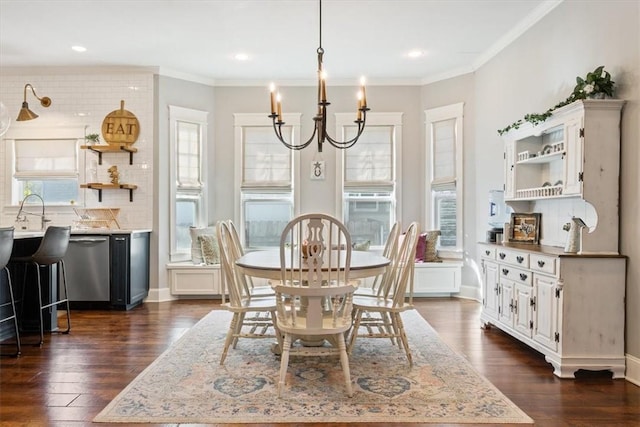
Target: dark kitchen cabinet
(129, 269)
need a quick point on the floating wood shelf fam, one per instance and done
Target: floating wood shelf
(112, 148)
(100, 186)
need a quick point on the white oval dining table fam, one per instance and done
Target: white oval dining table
(266, 264)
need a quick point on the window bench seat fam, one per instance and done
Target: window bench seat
(437, 278)
(187, 278)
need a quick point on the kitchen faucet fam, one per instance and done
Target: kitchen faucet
(22, 216)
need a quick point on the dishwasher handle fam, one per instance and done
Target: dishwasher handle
(88, 239)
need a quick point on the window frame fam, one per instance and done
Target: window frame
(392, 120)
(197, 192)
(264, 191)
(434, 115)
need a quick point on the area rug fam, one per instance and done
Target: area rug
(186, 384)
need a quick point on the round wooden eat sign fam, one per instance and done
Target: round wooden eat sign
(120, 127)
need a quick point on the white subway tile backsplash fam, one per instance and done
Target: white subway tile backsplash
(96, 95)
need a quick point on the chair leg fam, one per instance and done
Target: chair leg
(354, 330)
(238, 329)
(66, 297)
(15, 315)
(229, 339)
(284, 363)
(402, 336)
(276, 330)
(40, 305)
(344, 361)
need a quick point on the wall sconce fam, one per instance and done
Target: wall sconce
(25, 113)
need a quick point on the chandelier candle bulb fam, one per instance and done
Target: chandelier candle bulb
(272, 89)
(364, 92)
(279, 98)
(323, 86)
(359, 105)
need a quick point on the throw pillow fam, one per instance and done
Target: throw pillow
(196, 248)
(209, 246)
(426, 247)
(364, 246)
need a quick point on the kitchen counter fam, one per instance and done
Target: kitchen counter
(27, 234)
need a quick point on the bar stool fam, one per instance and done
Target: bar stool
(52, 249)
(6, 247)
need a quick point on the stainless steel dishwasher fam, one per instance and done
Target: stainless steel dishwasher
(87, 266)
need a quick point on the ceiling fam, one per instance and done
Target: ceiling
(198, 39)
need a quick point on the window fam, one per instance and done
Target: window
(188, 136)
(444, 160)
(46, 167)
(266, 176)
(367, 176)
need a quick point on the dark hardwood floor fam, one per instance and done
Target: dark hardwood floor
(73, 377)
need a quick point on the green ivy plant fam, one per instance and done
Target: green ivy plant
(596, 84)
(92, 138)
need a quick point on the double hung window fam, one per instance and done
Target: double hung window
(368, 179)
(266, 176)
(444, 159)
(188, 135)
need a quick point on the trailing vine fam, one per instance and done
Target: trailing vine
(597, 83)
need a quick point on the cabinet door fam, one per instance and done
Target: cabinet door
(545, 311)
(522, 309)
(509, 170)
(506, 302)
(490, 288)
(573, 159)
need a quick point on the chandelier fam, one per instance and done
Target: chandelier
(320, 127)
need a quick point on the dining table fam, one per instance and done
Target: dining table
(266, 264)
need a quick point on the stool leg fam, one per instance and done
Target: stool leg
(15, 315)
(66, 297)
(40, 305)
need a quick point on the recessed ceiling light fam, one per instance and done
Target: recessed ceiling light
(79, 48)
(241, 57)
(415, 53)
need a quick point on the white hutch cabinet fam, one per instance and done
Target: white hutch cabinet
(570, 307)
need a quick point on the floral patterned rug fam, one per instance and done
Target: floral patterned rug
(186, 384)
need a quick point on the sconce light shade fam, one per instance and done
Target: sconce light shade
(25, 113)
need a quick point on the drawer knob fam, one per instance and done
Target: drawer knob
(502, 255)
(540, 263)
(505, 271)
(523, 277)
(487, 253)
(519, 259)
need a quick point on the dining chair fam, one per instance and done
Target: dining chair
(314, 295)
(380, 317)
(6, 247)
(380, 285)
(246, 281)
(51, 251)
(253, 316)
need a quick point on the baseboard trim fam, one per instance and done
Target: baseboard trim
(160, 295)
(632, 373)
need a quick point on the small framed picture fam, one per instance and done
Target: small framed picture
(525, 228)
(317, 170)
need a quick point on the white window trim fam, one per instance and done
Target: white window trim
(374, 119)
(194, 116)
(453, 111)
(242, 120)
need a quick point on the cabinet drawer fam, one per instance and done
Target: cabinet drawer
(516, 274)
(521, 259)
(542, 263)
(488, 252)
